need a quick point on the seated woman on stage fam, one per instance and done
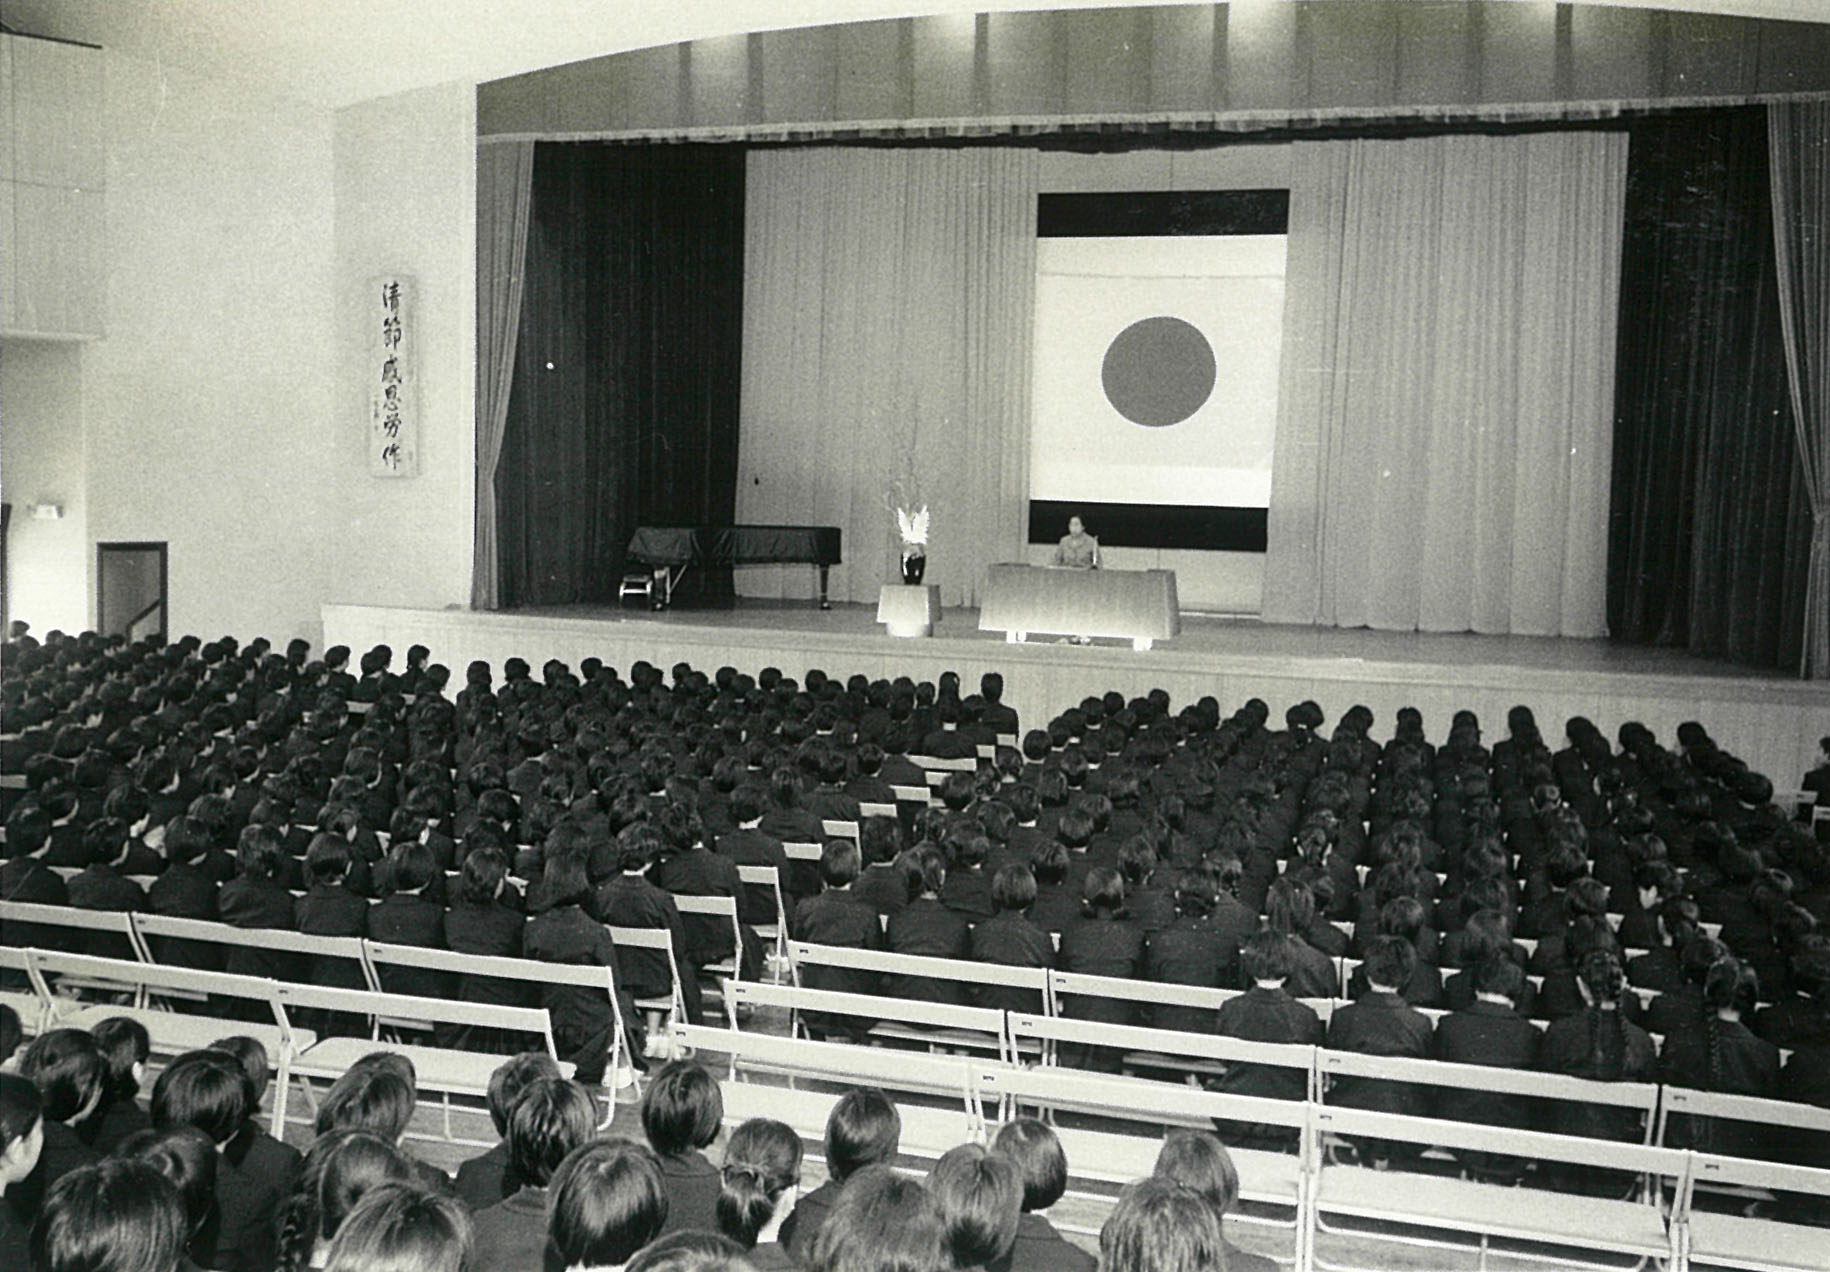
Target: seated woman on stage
(1077, 550)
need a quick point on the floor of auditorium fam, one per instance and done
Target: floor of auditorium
(1212, 635)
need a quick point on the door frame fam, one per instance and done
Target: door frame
(163, 548)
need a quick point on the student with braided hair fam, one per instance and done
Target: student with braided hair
(1722, 1054)
(341, 1168)
(1599, 1044)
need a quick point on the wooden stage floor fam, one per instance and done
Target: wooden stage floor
(1770, 720)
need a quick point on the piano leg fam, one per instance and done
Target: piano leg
(824, 603)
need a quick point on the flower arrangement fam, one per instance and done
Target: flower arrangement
(913, 527)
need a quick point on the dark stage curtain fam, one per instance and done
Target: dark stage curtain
(1709, 525)
(624, 406)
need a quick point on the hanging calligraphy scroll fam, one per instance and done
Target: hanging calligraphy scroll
(393, 432)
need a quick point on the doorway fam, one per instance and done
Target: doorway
(130, 598)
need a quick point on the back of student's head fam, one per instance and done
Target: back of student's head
(402, 1228)
(879, 839)
(1103, 892)
(112, 1216)
(863, 1128)
(762, 1160)
(691, 1251)
(1390, 960)
(184, 1155)
(1160, 1226)
(1035, 1150)
(1199, 1161)
(258, 852)
(682, 1108)
(1265, 956)
(340, 1170)
(68, 1069)
(608, 1201)
(21, 1110)
(839, 863)
(511, 1078)
(881, 1222)
(550, 1119)
(980, 1195)
(368, 1098)
(124, 1045)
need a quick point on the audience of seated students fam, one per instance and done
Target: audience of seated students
(166, 760)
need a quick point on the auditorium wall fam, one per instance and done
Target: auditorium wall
(405, 195)
(223, 409)
(41, 462)
(206, 401)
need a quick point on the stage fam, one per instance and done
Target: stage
(1771, 721)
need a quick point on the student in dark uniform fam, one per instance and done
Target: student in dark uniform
(761, 1179)
(747, 845)
(486, 1179)
(1192, 950)
(1489, 1031)
(681, 1113)
(628, 899)
(407, 916)
(1403, 917)
(101, 886)
(486, 918)
(927, 927)
(1104, 943)
(693, 870)
(184, 890)
(967, 891)
(1033, 1147)
(1266, 1012)
(1198, 1161)
(1009, 939)
(862, 1130)
(787, 820)
(1381, 1023)
(21, 1141)
(330, 908)
(213, 1092)
(255, 899)
(1720, 1053)
(124, 1046)
(1597, 1043)
(583, 1018)
(549, 1119)
(1289, 911)
(884, 883)
(67, 1068)
(1057, 906)
(837, 917)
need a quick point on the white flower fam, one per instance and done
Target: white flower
(913, 526)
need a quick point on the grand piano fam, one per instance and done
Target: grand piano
(669, 551)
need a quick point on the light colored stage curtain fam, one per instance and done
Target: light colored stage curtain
(1798, 140)
(505, 172)
(888, 299)
(1443, 435)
